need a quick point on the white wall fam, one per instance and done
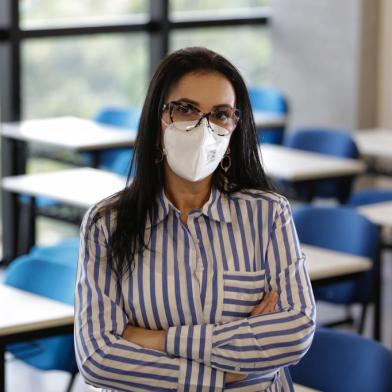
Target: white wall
(384, 115)
(324, 59)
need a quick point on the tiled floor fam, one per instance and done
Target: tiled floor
(22, 378)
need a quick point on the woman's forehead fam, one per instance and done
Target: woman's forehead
(208, 89)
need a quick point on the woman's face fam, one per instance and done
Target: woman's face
(206, 91)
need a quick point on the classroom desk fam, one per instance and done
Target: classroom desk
(269, 120)
(69, 133)
(374, 143)
(295, 165)
(325, 265)
(26, 316)
(381, 215)
(79, 187)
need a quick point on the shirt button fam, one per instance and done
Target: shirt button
(237, 368)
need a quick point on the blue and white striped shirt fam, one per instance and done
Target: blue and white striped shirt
(198, 281)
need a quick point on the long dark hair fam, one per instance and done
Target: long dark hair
(137, 203)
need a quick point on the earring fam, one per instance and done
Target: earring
(159, 155)
(226, 165)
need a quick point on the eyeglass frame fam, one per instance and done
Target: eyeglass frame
(204, 115)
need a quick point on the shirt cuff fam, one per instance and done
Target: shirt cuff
(190, 341)
(196, 377)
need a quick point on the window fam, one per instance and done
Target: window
(44, 13)
(80, 75)
(248, 48)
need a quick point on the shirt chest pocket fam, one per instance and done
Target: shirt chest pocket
(242, 292)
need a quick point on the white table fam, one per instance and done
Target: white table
(80, 187)
(378, 213)
(325, 264)
(374, 143)
(297, 165)
(381, 215)
(70, 133)
(269, 120)
(26, 316)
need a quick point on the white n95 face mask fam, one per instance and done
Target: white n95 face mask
(196, 153)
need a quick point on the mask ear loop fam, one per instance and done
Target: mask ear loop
(226, 165)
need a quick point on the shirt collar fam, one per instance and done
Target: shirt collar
(217, 207)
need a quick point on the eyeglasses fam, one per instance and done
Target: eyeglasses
(186, 117)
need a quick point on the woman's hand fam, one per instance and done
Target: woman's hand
(149, 338)
(231, 377)
(267, 305)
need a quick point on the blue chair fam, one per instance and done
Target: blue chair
(66, 251)
(270, 100)
(341, 229)
(338, 143)
(123, 119)
(339, 361)
(51, 280)
(369, 196)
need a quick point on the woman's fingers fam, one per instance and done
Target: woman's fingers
(267, 305)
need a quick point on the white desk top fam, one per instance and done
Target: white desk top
(81, 187)
(69, 132)
(21, 311)
(324, 263)
(378, 213)
(268, 119)
(376, 143)
(297, 165)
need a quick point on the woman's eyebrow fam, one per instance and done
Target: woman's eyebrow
(195, 103)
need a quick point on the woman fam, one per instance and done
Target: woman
(192, 278)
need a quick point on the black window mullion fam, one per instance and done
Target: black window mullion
(159, 36)
(15, 66)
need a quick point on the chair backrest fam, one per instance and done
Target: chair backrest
(339, 361)
(369, 196)
(333, 142)
(344, 230)
(324, 141)
(268, 99)
(272, 100)
(52, 280)
(65, 251)
(124, 119)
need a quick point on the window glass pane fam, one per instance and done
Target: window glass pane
(248, 48)
(80, 75)
(36, 13)
(191, 5)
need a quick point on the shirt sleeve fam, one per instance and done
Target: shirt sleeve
(104, 358)
(261, 342)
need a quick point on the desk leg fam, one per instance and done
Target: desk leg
(2, 368)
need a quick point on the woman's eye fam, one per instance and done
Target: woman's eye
(185, 109)
(221, 115)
